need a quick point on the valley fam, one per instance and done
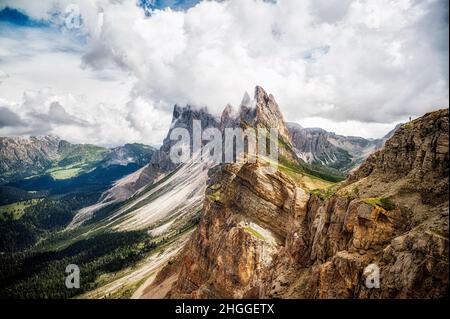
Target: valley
(141, 227)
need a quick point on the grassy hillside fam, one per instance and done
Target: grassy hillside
(289, 160)
(15, 211)
(74, 159)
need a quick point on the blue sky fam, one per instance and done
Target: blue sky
(353, 67)
(174, 4)
(16, 17)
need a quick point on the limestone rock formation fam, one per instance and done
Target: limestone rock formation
(262, 234)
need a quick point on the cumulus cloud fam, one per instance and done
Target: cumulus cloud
(351, 61)
(44, 112)
(9, 118)
(368, 61)
(3, 76)
(57, 114)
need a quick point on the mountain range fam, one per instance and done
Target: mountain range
(24, 158)
(142, 227)
(344, 153)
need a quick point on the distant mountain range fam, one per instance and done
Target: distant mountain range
(152, 229)
(344, 153)
(25, 158)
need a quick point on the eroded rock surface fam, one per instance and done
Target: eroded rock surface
(263, 236)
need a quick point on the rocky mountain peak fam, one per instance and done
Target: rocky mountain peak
(229, 117)
(318, 146)
(246, 100)
(264, 111)
(264, 234)
(269, 114)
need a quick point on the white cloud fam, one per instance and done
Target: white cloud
(347, 62)
(71, 118)
(375, 61)
(350, 128)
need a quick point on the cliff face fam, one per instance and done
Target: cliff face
(417, 155)
(183, 117)
(264, 234)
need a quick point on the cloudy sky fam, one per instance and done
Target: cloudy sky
(112, 74)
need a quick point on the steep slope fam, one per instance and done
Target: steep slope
(160, 164)
(162, 199)
(261, 234)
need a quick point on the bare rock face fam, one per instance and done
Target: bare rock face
(161, 164)
(243, 227)
(418, 153)
(268, 113)
(183, 117)
(261, 235)
(261, 111)
(22, 157)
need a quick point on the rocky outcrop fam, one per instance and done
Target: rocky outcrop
(242, 227)
(262, 235)
(261, 112)
(417, 154)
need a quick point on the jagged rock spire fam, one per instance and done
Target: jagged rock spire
(268, 113)
(246, 100)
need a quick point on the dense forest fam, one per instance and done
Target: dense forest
(42, 274)
(10, 195)
(41, 219)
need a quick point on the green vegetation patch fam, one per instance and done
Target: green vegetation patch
(75, 159)
(254, 233)
(65, 173)
(312, 170)
(325, 193)
(383, 202)
(80, 153)
(215, 196)
(15, 211)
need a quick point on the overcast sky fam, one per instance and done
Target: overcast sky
(349, 66)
